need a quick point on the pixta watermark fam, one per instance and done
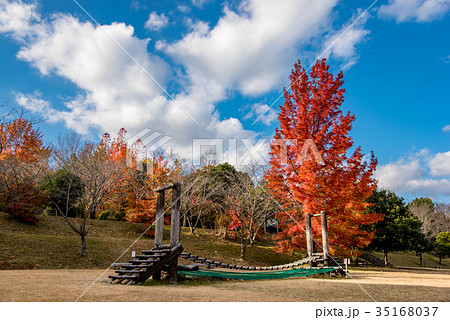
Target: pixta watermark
(237, 152)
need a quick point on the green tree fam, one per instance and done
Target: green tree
(63, 189)
(422, 202)
(399, 230)
(443, 245)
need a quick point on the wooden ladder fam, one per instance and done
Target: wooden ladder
(143, 266)
(161, 257)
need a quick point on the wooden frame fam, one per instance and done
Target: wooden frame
(174, 226)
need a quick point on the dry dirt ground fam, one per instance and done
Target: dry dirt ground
(381, 285)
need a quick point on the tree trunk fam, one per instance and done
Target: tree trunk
(386, 262)
(421, 258)
(440, 259)
(83, 245)
(243, 248)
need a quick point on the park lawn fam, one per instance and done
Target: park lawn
(409, 259)
(91, 285)
(51, 244)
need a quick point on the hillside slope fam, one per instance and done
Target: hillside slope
(52, 244)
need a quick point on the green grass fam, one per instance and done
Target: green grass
(409, 259)
(51, 244)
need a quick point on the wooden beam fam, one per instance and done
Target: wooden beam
(175, 217)
(159, 224)
(309, 239)
(160, 189)
(325, 244)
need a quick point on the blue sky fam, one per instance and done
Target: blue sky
(208, 69)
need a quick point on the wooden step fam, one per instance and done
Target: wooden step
(129, 265)
(148, 256)
(117, 277)
(155, 251)
(130, 271)
(141, 261)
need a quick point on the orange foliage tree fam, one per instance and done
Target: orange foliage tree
(23, 161)
(311, 169)
(134, 197)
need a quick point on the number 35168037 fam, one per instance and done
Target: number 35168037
(406, 311)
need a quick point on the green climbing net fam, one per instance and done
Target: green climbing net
(258, 275)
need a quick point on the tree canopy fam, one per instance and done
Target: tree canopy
(399, 230)
(311, 169)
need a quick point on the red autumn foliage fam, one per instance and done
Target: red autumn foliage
(23, 159)
(301, 184)
(139, 176)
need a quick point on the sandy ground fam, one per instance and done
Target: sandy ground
(378, 285)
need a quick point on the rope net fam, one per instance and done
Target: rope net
(257, 275)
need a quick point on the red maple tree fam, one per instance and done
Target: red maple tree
(311, 169)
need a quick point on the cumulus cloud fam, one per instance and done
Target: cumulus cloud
(261, 112)
(18, 19)
(414, 10)
(439, 164)
(396, 175)
(34, 103)
(250, 50)
(119, 96)
(446, 128)
(342, 43)
(253, 48)
(421, 174)
(199, 3)
(156, 22)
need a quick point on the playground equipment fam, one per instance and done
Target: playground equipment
(160, 257)
(165, 257)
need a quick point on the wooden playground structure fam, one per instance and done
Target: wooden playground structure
(164, 257)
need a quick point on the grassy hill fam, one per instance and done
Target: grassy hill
(409, 259)
(52, 244)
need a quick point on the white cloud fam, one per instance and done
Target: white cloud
(421, 174)
(429, 187)
(34, 103)
(396, 175)
(19, 19)
(156, 22)
(183, 8)
(414, 10)
(446, 128)
(122, 95)
(440, 164)
(251, 49)
(341, 44)
(261, 112)
(199, 3)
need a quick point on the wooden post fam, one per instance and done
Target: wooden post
(309, 239)
(173, 268)
(159, 224)
(325, 244)
(175, 218)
